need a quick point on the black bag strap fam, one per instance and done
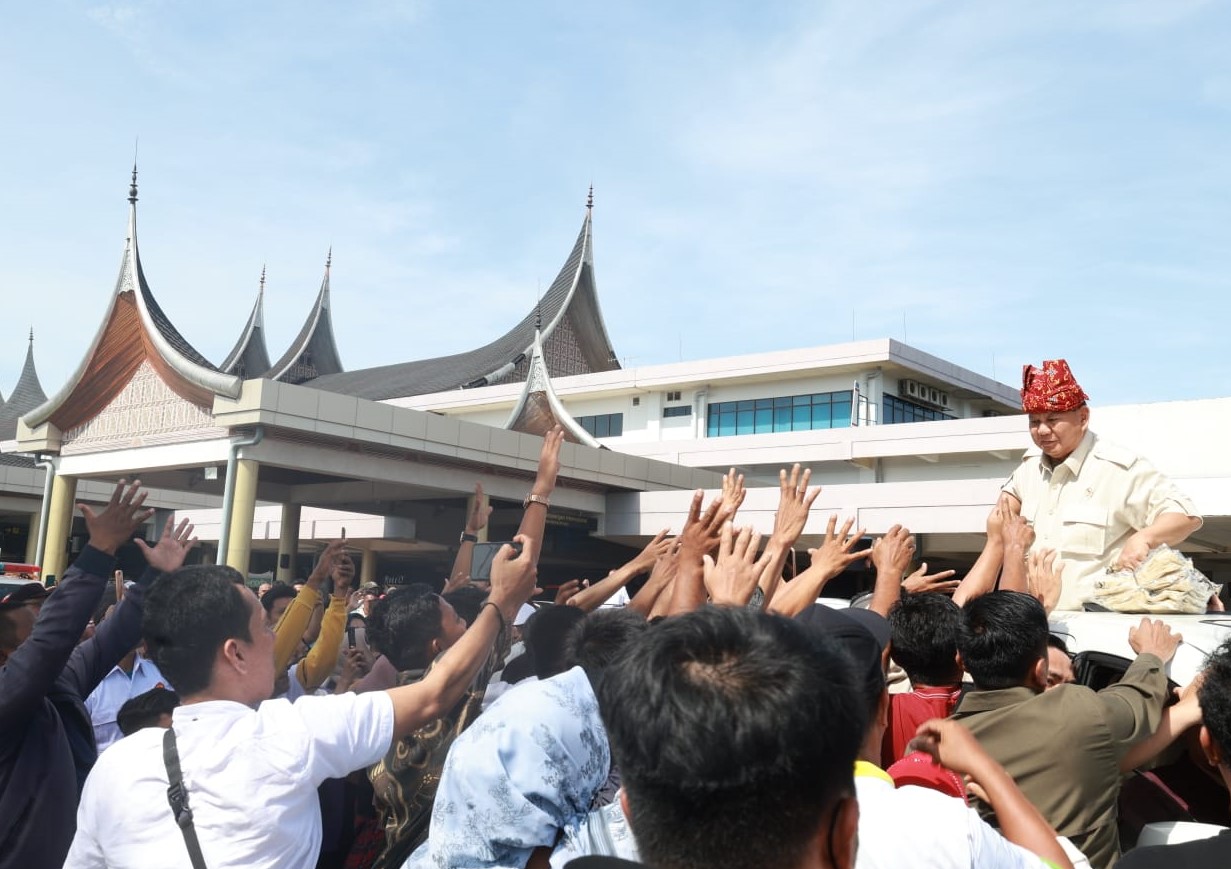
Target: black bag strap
(177, 796)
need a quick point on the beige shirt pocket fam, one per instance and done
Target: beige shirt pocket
(1084, 531)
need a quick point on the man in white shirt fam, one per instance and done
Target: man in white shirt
(133, 676)
(250, 765)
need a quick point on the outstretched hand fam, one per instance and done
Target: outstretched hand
(476, 519)
(952, 746)
(733, 492)
(122, 516)
(794, 502)
(701, 530)
(654, 550)
(549, 462)
(172, 548)
(837, 552)
(326, 563)
(512, 577)
(921, 581)
(1044, 577)
(893, 552)
(732, 578)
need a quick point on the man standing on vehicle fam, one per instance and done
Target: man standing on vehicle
(1098, 505)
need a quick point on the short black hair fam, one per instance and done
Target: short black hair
(467, 601)
(1054, 642)
(601, 637)
(924, 637)
(408, 622)
(1214, 696)
(144, 710)
(189, 614)
(275, 594)
(734, 731)
(1003, 636)
(545, 632)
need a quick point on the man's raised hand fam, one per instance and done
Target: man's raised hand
(512, 577)
(172, 548)
(921, 581)
(549, 462)
(343, 575)
(654, 550)
(794, 503)
(837, 552)
(325, 564)
(894, 552)
(1043, 577)
(702, 530)
(122, 516)
(732, 578)
(476, 519)
(733, 492)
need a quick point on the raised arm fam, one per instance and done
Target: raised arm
(119, 634)
(294, 621)
(476, 521)
(891, 555)
(319, 663)
(29, 665)
(834, 556)
(1177, 720)
(794, 503)
(534, 520)
(700, 535)
(592, 597)
(1018, 537)
(658, 585)
(952, 746)
(982, 576)
(512, 584)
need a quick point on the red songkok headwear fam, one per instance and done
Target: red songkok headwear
(1051, 388)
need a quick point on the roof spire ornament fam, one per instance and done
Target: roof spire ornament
(132, 188)
(590, 198)
(329, 258)
(31, 336)
(262, 289)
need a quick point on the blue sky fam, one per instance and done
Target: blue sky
(1000, 182)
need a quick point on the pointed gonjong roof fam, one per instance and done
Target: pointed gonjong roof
(539, 410)
(313, 353)
(249, 358)
(27, 395)
(134, 330)
(574, 341)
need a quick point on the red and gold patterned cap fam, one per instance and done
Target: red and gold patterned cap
(1051, 388)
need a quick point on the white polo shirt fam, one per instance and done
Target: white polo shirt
(251, 777)
(914, 826)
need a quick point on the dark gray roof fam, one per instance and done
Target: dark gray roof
(27, 395)
(249, 358)
(313, 353)
(163, 324)
(574, 337)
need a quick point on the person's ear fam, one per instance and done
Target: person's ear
(1038, 674)
(1083, 416)
(1213, 753)
(233, 653)
(957, 659)
(841, 845)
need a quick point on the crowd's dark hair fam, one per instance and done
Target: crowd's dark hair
(924, 630)
(734, 732)
(545, 632)
(406, 626)
(1055, 642)
(189, 614)
(278, 591)
(600, 639)
(1214, 696)
(1003, 636)
(144, 710)
(467, 600)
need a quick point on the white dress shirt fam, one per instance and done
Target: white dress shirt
(116, 689)
(251, 777)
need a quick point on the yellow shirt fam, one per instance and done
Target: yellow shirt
(1088, 506)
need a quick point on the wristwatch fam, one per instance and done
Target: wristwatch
(536, 499)
(468, 538)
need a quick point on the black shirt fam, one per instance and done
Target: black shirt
(1212, 853)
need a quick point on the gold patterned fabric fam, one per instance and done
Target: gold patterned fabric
(405, 781)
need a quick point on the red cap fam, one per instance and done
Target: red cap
(1051, 388)
(918, 769)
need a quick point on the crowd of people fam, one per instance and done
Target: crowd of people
(719, 717)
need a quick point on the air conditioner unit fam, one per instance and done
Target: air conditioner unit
(933, 395)
(944, 399)
(910, 388)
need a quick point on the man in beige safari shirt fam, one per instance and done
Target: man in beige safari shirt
(1097, 504)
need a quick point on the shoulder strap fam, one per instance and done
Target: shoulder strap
(177, 796)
